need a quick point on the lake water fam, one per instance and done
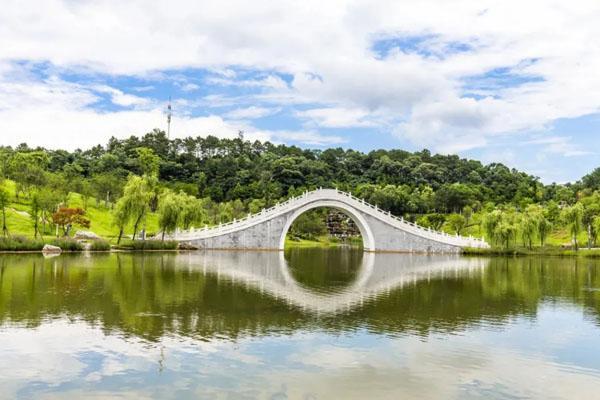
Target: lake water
(307, 324)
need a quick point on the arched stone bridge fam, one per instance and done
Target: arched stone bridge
(380, 230)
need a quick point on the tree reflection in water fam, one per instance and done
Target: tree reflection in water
(234, 294)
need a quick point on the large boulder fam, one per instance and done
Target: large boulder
(48, 248)
(86, 235)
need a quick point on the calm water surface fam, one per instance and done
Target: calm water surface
(310, 324)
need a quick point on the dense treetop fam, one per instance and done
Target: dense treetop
(206, 180)
(227, 169)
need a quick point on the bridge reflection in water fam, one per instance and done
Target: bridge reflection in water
(378, 273)
(235, 294)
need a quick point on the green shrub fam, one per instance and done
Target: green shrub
(67, 244)
(100, 245)
(150, 245)
(20, 243)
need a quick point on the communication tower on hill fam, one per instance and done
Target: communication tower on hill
(169, 115)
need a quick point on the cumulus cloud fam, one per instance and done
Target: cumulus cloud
(59, 114)
(562, 145)
(251, 112)
(332, 117)
(446, 75)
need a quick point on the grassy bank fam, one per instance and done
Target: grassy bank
(20, 222)
(540, 251)
(320, 242)
(145, 245)
(24, 244)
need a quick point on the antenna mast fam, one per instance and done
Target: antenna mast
(169, 114)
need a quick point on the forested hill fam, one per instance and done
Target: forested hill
(226, 169)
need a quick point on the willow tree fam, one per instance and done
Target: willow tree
(4, 198)
(121, 216)
(133, 206)
(591, 209)
(169, 213)
(139, 194)
(544, 228)
(529, 224)
(572, 217)
(192, 212)
(489, 223)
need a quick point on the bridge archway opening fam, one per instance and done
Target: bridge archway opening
(334, 218)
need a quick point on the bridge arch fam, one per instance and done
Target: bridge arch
(364, 228)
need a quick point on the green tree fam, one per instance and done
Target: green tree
(506, 229)
(529, 225)
(456, 223)
(49, 200)
(193, 211)
(490, 223)
(107, 187)
(544, 228)
(591, 209)
(138, 193)
(434, 221)
(500, 226)
(4, 199)
(596, 223)
(85, 191)
(453, 197)
(256, 205)
(169, 213)
(133, 206)
(28, 170)
(237, 209)
(34, 212)
(122, 216)
(148, 162)
(572, 217)
(309, 225)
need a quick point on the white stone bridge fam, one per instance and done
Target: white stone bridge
(380, 230)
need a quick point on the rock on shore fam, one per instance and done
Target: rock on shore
(48, 248)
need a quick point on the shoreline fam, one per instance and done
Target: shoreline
(524, 252)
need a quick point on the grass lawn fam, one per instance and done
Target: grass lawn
(20, 223)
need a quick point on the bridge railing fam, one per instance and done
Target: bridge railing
(427, 232)
(291, 203)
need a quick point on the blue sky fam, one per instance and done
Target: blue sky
(472, 78)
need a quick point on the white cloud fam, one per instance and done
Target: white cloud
(337, 117)
(558, 145)
(307, 137)
(120, 98)
(190, 87)
(58, 114)
(328, 55)
(268, 82)
(251, 112)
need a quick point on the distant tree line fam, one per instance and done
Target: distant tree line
(207, 180)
